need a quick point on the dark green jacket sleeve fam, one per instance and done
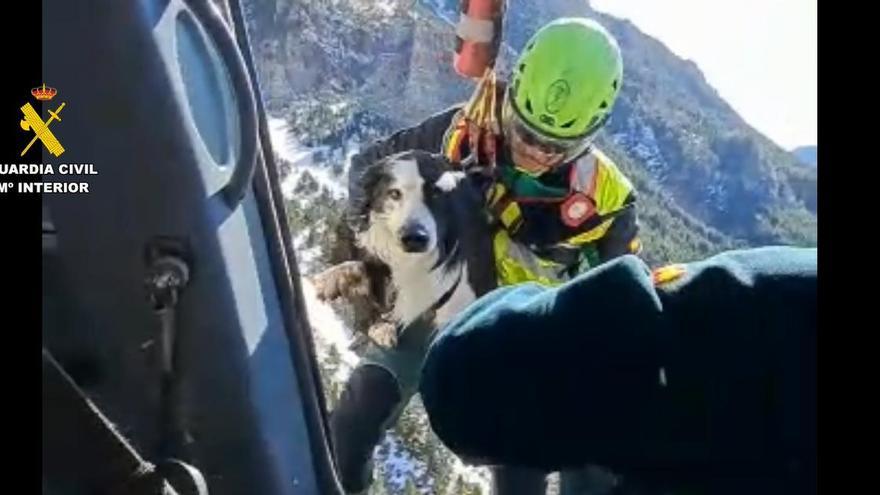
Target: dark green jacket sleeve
(708, 377)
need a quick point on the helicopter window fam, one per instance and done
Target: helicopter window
(335, 77)
(208, 90)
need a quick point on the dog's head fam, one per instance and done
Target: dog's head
(403, 206)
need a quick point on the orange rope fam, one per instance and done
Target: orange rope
(481, 119)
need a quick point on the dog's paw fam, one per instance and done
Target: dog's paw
(344, 280)
(384, 333)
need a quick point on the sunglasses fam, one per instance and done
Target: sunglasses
(516, 128)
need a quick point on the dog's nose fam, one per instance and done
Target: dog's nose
(414, 239)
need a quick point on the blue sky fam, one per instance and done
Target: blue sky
(761, 55)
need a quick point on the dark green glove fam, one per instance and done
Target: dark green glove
(708, 377)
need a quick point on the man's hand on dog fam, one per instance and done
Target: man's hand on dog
(346, 280)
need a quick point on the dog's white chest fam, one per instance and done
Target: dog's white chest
(419, 288)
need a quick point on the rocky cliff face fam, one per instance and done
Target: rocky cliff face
(378, 66)
(335, 74)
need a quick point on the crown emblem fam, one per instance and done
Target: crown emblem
(43, 93)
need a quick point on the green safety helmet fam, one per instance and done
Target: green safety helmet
(565, 82)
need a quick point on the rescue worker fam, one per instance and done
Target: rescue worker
(559, 206)
(552, 192)
(700, 377)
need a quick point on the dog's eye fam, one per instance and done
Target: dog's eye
(395, 194)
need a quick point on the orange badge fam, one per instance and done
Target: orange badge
(577, 209)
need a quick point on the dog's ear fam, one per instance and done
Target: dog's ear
(439, 161)
(431, 165)
(363, 192)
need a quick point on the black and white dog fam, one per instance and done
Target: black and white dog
(423, 222)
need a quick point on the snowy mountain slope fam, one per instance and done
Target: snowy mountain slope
(343, 72)
(394, 62)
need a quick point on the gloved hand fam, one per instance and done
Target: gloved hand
(707, 376)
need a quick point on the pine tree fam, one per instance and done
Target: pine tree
(330, 365)
(378, 487)
(454, 488)
(410, 488)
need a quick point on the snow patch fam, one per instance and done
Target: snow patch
(442, 10)
(639, 139)
(327, 328)
(386, 6)
(400, 466)
(717, 195)
(302, 158)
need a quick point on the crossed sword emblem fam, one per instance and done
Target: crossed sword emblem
(32, 121)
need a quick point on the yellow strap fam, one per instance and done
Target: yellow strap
(511, 215)
(590, 235)
(496, 192)
(492, 124)
(612, 186)
(454, 143)
(477, 122)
